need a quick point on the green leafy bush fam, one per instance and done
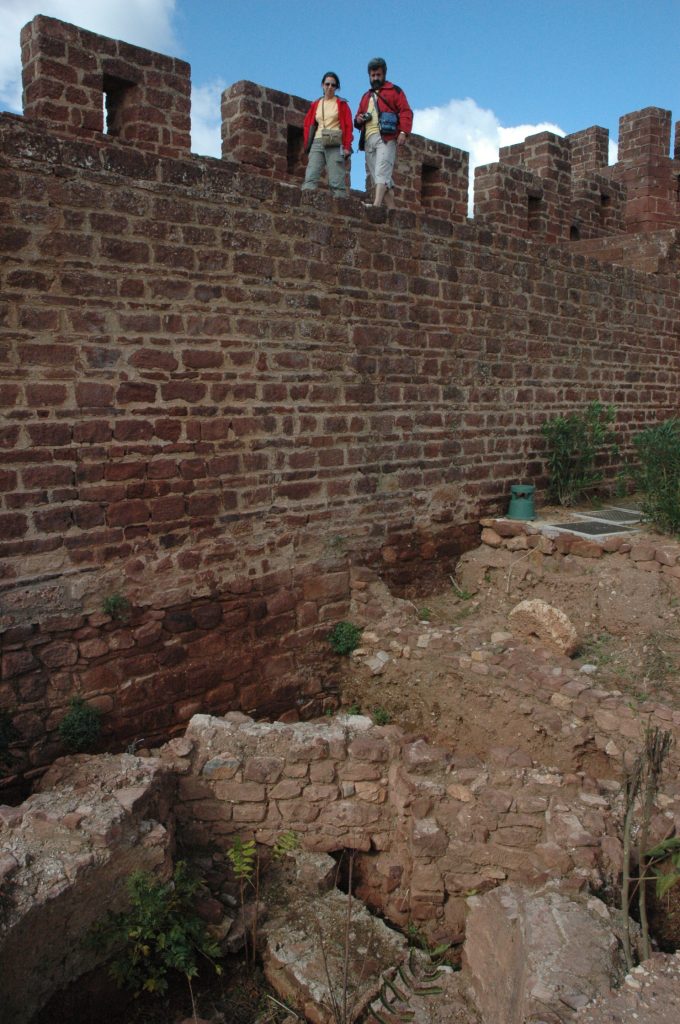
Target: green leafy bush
(381, 716)
(657, 474)
(575, 444)
(344, 637)
(160, 932)
(80, 727)
(117, 607)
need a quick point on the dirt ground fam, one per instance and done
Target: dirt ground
(435, 683)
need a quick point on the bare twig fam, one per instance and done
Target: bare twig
(631, 786)
(657, 746)
(283, 1006)
(642, 780)
(512, 565)
(348, 922)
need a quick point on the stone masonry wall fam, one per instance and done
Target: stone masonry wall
(431, 829)
(218, 392)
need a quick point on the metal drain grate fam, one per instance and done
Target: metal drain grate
(627, 506)
(591, 528)
(611, 515)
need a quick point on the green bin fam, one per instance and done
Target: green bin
(521, 502)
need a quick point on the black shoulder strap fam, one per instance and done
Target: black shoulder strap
(382, 98)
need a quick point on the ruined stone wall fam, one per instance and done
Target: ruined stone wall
(218, 392)
(432, 829)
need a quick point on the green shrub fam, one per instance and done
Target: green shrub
(381, 716)
(575, 443)
(160, 932)
(657, 474)
(80, 727)
(117, 607)
(344, 637)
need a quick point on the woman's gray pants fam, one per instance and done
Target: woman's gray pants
(331, 158)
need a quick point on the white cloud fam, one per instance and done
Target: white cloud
(206, 118)
(145, 23)
(463, 124)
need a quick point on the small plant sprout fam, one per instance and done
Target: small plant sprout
(117, 607)
(286, 844)
(245, 864)
(354, 709)
(344, 637)
(381, 716)
(424, 614)
(80, 727)
(461, 592)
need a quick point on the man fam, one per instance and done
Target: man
(385, 120)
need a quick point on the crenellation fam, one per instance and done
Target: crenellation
(589, 151)
(646, 169)
(71, 76)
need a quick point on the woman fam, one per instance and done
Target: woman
(328, 137)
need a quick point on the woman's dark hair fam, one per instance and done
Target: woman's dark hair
(330, 74)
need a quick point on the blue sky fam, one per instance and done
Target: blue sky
(478, 74)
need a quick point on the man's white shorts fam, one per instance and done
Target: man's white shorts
(380, 157)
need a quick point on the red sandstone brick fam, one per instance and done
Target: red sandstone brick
(135, 391)
(59, 653)
(124, 250)
(125, 513)
(52, 434)
(45, 395)
(12, 526)
(184, 390)
(167, 508)
(47, 476)
(91, 432)
(53, 520)
(153, 359)
(16, 663)
(322, 588)
(197, 359)
(202, 504)
(91, 394)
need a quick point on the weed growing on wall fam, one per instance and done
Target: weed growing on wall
(576, 444)
(245, 865)
(80, 727)
(344, 637)
(161, 932)
(286, 844)
(381, 716)
(117, 607)
(657, 474)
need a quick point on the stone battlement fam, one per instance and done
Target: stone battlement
(82, 85)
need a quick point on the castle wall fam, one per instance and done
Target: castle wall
(218, 392)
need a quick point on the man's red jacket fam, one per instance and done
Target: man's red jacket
(388, 97)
